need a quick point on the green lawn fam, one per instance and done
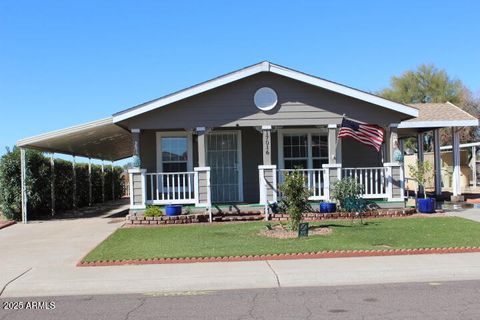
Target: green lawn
(242, 238)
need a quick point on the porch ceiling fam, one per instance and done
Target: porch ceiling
(101, 139)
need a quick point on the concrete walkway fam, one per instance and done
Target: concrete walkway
(39, 259)
(471, 214)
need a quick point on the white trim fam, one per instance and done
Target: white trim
(135, 130)
(332, 126)
(391, 164)
(393, 125)
(238, 133)
(137, 170)
(265, 67)
(267, 127)
(267, 166)
(438, 124)
(158, 143)
(200, 129)
(331, 165)
(201, 169)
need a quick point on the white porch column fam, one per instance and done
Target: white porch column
(202, 160)
(138, 188)
(267, 179)
(267, 144)
(333, 173)
(334, 145)
(456, 164)
(23, 177)
(113, 183)
(437, 162)
(203, 197)
(395, 181)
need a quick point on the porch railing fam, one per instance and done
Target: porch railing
(171, 187)
(374, 180)
(314, 178)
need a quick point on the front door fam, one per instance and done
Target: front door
(224, 160)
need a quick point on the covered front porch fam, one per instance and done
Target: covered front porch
(245, 165)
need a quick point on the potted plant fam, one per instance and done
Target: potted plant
(422, 172)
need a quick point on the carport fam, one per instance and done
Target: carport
(101, 139)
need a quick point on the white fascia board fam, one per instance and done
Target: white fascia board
(438, 124)
(335, 87)
(203, 87)
(66, 131)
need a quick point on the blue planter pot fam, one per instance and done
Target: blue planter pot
(328, 207)
(426, 205)
(173, 210)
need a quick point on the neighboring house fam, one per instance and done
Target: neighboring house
(230, 139)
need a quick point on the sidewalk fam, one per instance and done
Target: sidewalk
(70, 280)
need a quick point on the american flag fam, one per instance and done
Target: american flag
(368, 134)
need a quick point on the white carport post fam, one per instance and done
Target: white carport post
(23, 176)
(52, 182)
(103, 183)
(74, 171)
(437, 162)
(456, 162)
(89, 182)
(474, 166)
(113, 184)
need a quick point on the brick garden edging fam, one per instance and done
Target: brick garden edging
(285, 256)
(140, 219)
(379, 213)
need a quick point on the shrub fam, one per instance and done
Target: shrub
(295, 197)
(347, 192)
(38, 184)
(153, 211)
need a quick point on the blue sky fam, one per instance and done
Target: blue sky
(67, 62)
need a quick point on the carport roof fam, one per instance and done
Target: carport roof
(100, 139)
(437, 115)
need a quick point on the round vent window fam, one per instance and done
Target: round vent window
(265, 99)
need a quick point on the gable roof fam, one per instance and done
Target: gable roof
(436, 115)
(255, 69)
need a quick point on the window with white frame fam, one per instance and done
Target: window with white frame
(174, 153)
(307, 150)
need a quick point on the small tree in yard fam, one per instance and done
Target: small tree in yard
(295, 197)
(422, 172)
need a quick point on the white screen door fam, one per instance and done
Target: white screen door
(223, 158)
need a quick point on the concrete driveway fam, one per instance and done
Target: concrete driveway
(46, 245)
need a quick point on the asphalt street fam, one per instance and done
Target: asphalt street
(434, 300)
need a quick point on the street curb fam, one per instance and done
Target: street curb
(8, 224)
(285, 256)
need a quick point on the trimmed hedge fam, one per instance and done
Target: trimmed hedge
(38, 184)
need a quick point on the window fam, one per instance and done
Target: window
(295, 151)
(174, 154)
(319, 150)
(307, 150)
